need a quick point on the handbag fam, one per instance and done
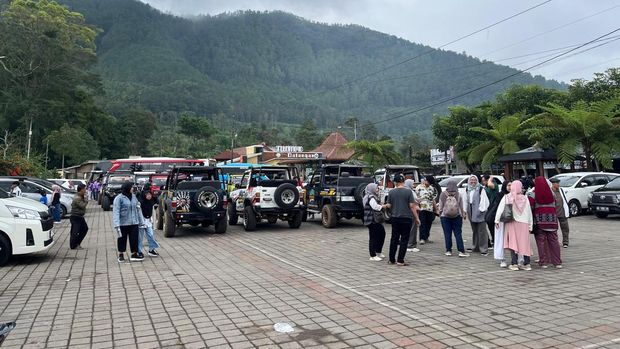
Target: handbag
(507, 215)
(378, 217)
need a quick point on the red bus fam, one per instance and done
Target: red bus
(153, 164)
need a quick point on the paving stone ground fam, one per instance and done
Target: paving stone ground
(227, 291)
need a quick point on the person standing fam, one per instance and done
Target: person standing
(498, 232)
(146, 205)
(451, 214)
(517, 229)
(477, 204)
(43, 198)
(546, 233)
(412, 245)
(490, 187)
(79, 228)
(427, 195)
(126, 219)
(55, 204)
(15, 189)
(372, 212)
(561, 209)
(403, 206)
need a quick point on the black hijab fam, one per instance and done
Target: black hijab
(126, 189)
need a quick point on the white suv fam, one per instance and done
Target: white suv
(269, 193)
(579, 185)
(25, 227)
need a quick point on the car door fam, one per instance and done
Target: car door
(584, 187)
(313, 190)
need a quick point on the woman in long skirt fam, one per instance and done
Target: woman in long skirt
(498, 247)
(546, 233)
(517, 231)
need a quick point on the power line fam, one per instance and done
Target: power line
(432, 49)
(496, 81)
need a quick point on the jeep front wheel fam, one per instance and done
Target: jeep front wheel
(233, 217)
(169, 227)
(329, 217)
(249, 219)
(105, 203)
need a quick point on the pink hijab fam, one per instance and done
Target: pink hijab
(516, 197)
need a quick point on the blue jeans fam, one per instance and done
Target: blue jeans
(56, 212)
(148, 231)
(453, 225)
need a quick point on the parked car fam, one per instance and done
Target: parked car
(464, 179)
(266, 193)
(70, 184)
(31, 189)
(606, 200)
(192, 195)
(336, 191)
(579, 185)
(25, 227)
(111, 187)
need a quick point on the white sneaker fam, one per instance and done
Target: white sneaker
(513, 267)
(422, 242)
(375, 259)
(448, 253)
(413, 249)
(503, 264)
(463, 254)
(381, 255)
(527, 267)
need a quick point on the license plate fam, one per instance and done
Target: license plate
(602, 208)
(347, 198)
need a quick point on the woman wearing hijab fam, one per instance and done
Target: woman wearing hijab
(517, 231)
(546, 224)
(56, 210)
(451, 213)
(477, 204)
(412, 246)
(427, 196)
(376, 232)
(127, 218)
(498, 247)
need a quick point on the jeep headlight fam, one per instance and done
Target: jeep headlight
(23, 213)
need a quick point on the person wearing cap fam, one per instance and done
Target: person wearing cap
(403, 208)
(79, 228)
(561, 209)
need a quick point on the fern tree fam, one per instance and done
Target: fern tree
(593, 129)
(375, 154)
(503, 137)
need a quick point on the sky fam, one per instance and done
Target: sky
(553, 25)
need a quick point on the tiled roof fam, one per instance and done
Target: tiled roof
(333, 148)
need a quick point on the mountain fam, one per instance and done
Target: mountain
(272, 67)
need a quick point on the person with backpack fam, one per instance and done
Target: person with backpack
(452, 214)
(373, 219)
(477, 204)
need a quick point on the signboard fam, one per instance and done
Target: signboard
(300, 155)
(289, 149)
(438, 157)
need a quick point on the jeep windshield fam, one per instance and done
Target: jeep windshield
(119, 179)
(158, 181)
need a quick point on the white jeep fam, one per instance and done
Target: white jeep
(266, 193)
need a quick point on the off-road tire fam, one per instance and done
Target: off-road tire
(329, 217)
(295, 221)
(304, 216)
(221, 225)
(169, 226)
(233, 217)
(286, 196)
(5, 250)
(358, 194)
(213, 199)
(249, 219)
(105, 203)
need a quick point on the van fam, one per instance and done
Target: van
(26, 227)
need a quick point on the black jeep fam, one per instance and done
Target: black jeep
(336, 191)
(111, 187)
(192, 195)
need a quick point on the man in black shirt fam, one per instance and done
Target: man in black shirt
(403, 210)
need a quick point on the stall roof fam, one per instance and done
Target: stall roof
(530, 154)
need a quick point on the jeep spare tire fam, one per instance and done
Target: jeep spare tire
(206, 199)
(286, 196)
(359, 193)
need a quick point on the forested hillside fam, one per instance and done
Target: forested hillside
(272, 67)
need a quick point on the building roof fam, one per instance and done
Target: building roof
(333, 148)
(533, 153)
(225, 155)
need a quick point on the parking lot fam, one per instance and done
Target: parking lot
(211, 290)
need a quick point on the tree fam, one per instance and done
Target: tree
(375, 154)
(137, 126)
(593, 128)
(308, 136)
(503, 137)
(73, 142)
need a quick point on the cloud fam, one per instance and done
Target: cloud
(435, 23)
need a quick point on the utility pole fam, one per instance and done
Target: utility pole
(29, 139)
(47, 148)
(410, 155)
(355, 130)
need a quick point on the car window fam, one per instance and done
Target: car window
(600, 180)
(587, 181)
(29, 188)
(4, 194)
(316, 179)
(5, 185)
(614, 184)
(567, 180)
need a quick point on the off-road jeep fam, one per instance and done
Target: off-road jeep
(112, 187)
(192, 195)
(385, 180)
(336, 191)
(269, 193)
